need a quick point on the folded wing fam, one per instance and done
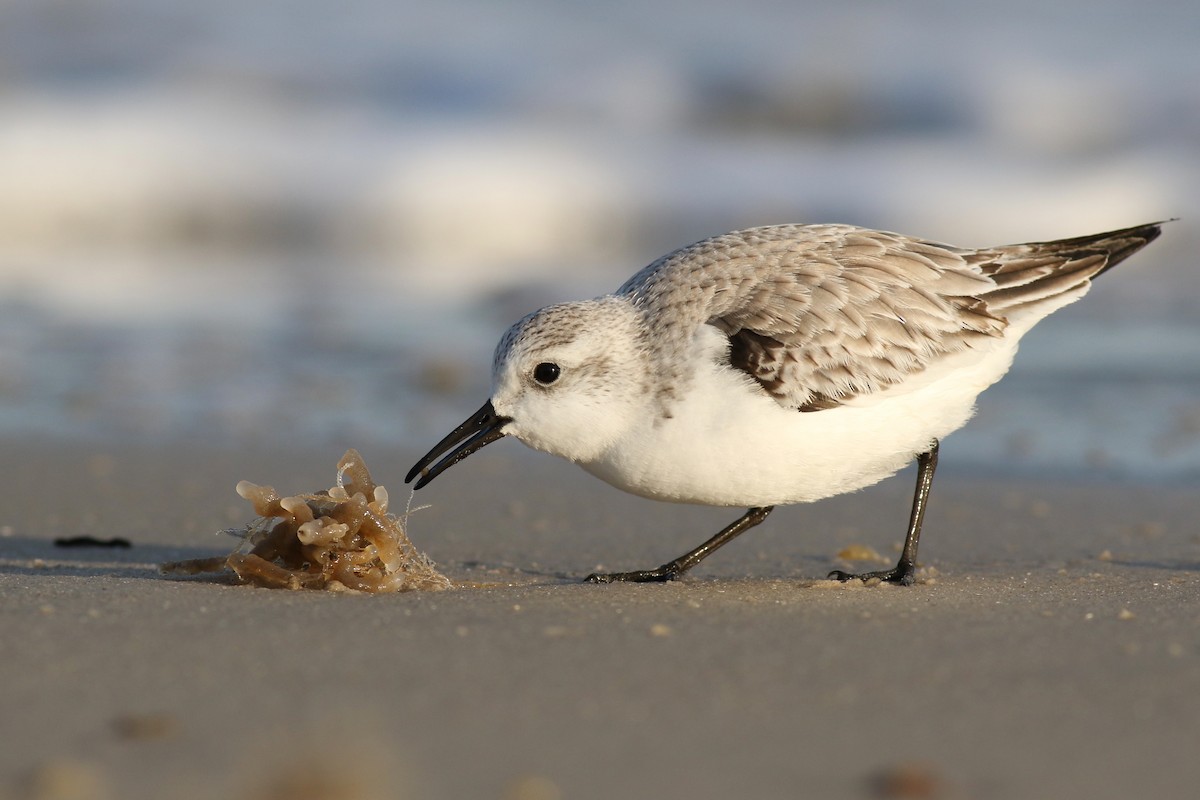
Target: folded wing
(821, 314)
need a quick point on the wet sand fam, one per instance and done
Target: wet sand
(1053, 649)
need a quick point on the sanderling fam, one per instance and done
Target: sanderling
(775, 365)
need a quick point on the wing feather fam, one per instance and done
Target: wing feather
(820, 314)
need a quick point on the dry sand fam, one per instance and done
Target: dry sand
(1055, 652)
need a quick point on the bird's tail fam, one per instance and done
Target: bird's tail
(1037, 278)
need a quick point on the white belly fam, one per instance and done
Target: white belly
(728, 444)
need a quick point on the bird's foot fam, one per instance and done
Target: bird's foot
(903, 574)
(667, 572)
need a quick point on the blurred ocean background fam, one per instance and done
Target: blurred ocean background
(275, 221)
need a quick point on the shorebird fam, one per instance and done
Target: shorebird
(775, 365)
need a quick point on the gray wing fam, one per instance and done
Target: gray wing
(820, 314)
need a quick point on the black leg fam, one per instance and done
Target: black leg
(905, 569)
(674, 569)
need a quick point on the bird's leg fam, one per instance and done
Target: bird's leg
(904, 571)
(674, 569)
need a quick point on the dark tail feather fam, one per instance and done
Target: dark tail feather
(1028, 275)
(1116, 245)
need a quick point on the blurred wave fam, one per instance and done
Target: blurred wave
(245, 220)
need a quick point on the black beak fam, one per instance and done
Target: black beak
(483, 428)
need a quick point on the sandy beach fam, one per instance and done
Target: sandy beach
(237, 239)
(1053, 649)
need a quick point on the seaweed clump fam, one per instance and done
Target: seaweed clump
(339, 539)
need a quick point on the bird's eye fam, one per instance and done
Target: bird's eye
(546, 373)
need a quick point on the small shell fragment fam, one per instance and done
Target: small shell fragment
(860, 552)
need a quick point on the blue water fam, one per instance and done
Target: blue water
(248, 222)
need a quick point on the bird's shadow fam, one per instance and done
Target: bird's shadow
(25, 556)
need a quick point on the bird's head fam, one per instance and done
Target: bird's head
(568, 380)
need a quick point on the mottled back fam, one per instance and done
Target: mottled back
(818, 314)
